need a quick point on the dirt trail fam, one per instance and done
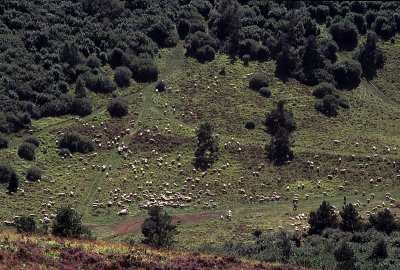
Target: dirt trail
(133, 225)
(370, 85)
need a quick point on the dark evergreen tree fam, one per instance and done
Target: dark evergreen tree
(345, 257)
(383, 221)
(67, 223)
(80, 89)
(228, 25)
(70, 54)
(312, 57)
(287, 62)
(4, 141)
(207, 147)
(370, 56)
(157, 228)
(380, 251)
(350, 219)
(278, 150)
(322, 218)
(280, 118)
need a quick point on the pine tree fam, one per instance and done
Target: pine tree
(351, 220)
(80, 89)
(278, 150)
(280, 124)
(324, 217)
(380, 250)
(383, 221)
(157, 228)
(370, 56)
(207, 147)
(345, 257)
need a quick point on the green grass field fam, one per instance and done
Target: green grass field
(196, 94)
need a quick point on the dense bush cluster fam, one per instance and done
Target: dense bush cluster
(329, 99)
(34, 174)
(42, 56)
(74, 142)
(27, 151)
(118, 107)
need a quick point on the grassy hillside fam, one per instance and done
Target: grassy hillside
(162, 127)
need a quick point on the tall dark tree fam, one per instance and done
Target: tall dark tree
(67, 223)
(380, 251)
(207, 147)
(80, 89)
(345, 257)
(278, 150)
(383, 221)
(322, 218)
(350, 219)
(287, 62)
(279, 123)
(228, 25)
(370, 56)
(70, 54)
(312, 57)
(279, 118)
(157, 228)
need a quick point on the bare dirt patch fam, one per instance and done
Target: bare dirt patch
(134, 225)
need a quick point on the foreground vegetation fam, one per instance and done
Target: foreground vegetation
(44, 252)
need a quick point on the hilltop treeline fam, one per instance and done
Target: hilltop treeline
(47, 46)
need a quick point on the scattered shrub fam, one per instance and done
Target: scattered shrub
(347, 74)
(118, 107)
(4, 141)
(74, 142)
(246, 59)
(81, 106)
(205, 53)
(250, 125)
(161, 86)
(34, 174)
(6, 173)
(33, 140)
(265, 92)
(257, 81)
(27, 151)
(25, 224)
(64, 152)
(67, 223)
(122, 76)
